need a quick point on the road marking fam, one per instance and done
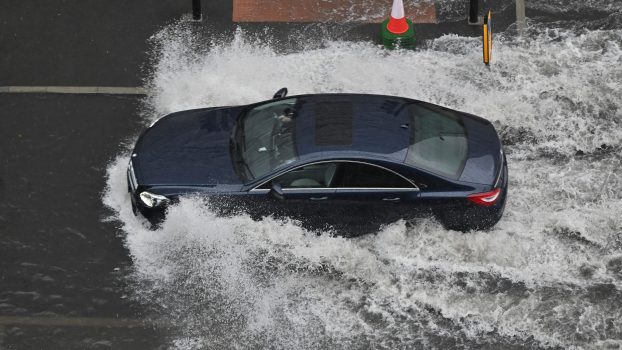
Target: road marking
(104, 90)
(370, 11)
(76, 322)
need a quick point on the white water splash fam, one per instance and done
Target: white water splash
(556, 98)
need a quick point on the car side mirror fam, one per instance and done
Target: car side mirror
(276, 191)
(281, 93)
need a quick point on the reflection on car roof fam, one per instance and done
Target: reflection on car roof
(351, 124)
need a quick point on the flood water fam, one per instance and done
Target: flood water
(549, 274)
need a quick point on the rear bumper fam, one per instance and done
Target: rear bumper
(464, 215)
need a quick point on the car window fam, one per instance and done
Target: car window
(267, 137)
(438, 142)
(359, 175)
(319, 175)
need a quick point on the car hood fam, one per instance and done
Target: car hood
(187, 148)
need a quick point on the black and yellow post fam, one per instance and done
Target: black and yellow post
(488, 37)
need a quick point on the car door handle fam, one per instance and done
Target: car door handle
(318, 198)
(396, 199)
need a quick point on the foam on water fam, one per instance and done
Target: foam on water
(556, 6)
(550, 273)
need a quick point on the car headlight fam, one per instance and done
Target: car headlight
(153, 200)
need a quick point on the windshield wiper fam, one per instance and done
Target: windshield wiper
(247, 168)
(236, 156)
(238, 135)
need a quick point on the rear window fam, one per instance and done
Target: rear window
(438, 141)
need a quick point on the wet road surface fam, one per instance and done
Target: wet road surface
(75, 273)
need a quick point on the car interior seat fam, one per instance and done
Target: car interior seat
(304, 182)
(331, 169)
(317, 175)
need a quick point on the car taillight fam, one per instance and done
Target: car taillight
(486, 199)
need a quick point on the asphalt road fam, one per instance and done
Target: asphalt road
(58, 258)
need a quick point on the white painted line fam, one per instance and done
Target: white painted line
(76, 322)
(104, 90)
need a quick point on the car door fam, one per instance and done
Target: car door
(306, 194)
(370, 195)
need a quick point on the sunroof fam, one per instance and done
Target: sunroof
(333, 123)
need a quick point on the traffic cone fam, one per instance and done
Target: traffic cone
(397, 31)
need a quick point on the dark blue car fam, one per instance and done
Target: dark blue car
(338, 160)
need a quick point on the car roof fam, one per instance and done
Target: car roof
(357, 125)
(378, 127)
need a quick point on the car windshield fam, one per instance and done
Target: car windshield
(438, 142)
(265, 138)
